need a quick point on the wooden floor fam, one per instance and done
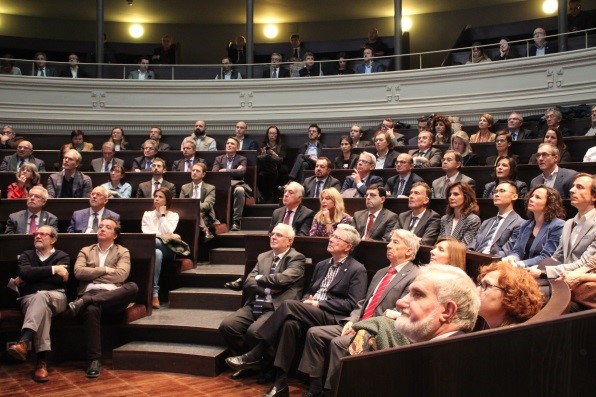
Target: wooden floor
(68, 379)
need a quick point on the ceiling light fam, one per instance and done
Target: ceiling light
(271, 31)
(406, 24)
(129, 2)
(136, 31)
(550, 6)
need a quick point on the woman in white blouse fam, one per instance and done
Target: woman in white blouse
(162, 222)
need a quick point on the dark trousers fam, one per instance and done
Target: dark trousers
(100, 302)
(240, 329)
(301, 164)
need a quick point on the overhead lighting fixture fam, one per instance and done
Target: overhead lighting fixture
(271, 31)
(136, 31)
(550, 6)
(406, 24)
(129, 2)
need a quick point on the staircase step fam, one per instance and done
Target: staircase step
(207, 276)
(260, 210)
(235, 256)
(205, 298)
(260, 223)
(181, 358)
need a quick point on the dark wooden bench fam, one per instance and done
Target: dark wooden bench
(67, 334)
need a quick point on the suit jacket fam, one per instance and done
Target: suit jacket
(381, 230)
(393, 182)
(389, 159)
(549, 48)
(50, 72)
(96, 164)
(87, 269)
(504, 238)
(372, 179)
(521, 134)
(281, 72)
(562, 181)
(11, 163)
(434, 156)
(465, 229)
(81, 74)
(162, 146)
(207, 198)
(80, 219)
(413, 141)
(81, 186)
(134, 75)
(544, 244)
(221, 162)
(376, 68)
(573, 256)
(180, 164)
(439, 184)
(140, 163)
(489, 188)
(249, 144)
(310, 185)
(362, 143)
(301, 223)
(17, 221)
(346, 289)
(427, 227)
(397, 288)
(286, 283)
(145, 188)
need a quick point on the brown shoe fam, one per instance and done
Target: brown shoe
(155, 302)
(41, 372)
(19, 351)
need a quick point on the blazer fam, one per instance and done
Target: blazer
(523, 133)
(17, 221)
(87, 269)
(304, 147)
(464, 231)
(281, 72)
(489, 188)
(310, 185)
(427, 227)
(81, 74)
(372, 179)
(346, 289)
(96, 164)
(376, 68)
(544, 244)
(221, 162)
(385, 222)
(180, 164)
(362, 143)
(145, 188)
(11, 163)
(81, 186)
(397, 288)
(563, 181)
(438, 185)
(301, 223)
(573, 256)
(50, 72)
(434, 156)
(393, 182)
(338, 162)
(389, 159)
(134, 75)
(80, 219)
(207, 197)
(162, 146)
(470, 159)
(249, 144)
(285, 283)
(504, 238)
(548, 49)
(139, 163)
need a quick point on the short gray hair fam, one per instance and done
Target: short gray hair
(371, 158)
(353, 237)
(553, 149)
(43, 190)
(287, 229)
(410, 240)
(298, 188)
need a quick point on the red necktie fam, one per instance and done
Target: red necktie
(369, 225)
(372, 305)
(32, 224)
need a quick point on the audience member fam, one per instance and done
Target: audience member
(237, 50)
(577, 19)
(540, 46)
(29, 220)
(275, 70)
(246, 143)
(369, 65)
(442, 130)
(376, 44)
(426, 155)
(189, 157)
(156, 134)
(461, 144)
(293, 213)
(347, 159)
(375, 222)
(321, 180)
(356, 185)
(148, 189)
(23, 155)
(308, 154)
(115, 186)
(477, 54)
(271, 168)
(503, 143)
(423, 124)
(310, 67)
(203, 142)
(118, 139)
(69, 183)
(419, 219)
(331, 214)
(400, 184)
(483, 134)
(590, 156)
(448, 251)
(389, 125)
(297, 51)
(87, 220)
(7, 66)
(461, 220)
(40, 67)
(505, 171)
(452, 163)
(515, 123)
(385, 154)
(166, 53)
(8, 139)
(581, 281)
(554, 138)
(342, 65)
(505, 51)
(204, 191)
(143, 72)
(356, 133)
(27, 177)
(145, 162)
(42, 276)
(552, 175)
(77, 142)
(73, 70)
(553, 118)
(227, 71)
(592, 130)
(107, 159)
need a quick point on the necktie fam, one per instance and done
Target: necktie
(413, 223)
(447, 183)
(95, 224)
(196, 193)
(148, 164)
(514, 136)
(155, 186)
(274, 74)
(32, 224)
(295, 53)
(318, 189)
(43, 72)
(188, 165)
(421, 154)
(287, 217)
(400, 187)
(490, 234)
(257, 307)
(370, 309)
(369, 225)
(107, 167)
(21, 162)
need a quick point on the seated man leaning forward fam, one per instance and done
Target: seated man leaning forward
(337, 285)
(101, 270)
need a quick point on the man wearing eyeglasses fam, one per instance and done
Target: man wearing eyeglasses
(87, 220)
(277, 276)
(23, 155)
(29, 220)
(552, 175)
(515, 121)
(8, 139)
(41, 282)
(452, 164)
(356, 184)
(400, 184)
(336, 287)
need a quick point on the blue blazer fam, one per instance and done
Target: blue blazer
(544, 244)
(80, 219)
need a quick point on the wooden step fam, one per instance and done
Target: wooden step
(207, 276)
(260, 223)
(205, 298)
(181, 358)
(236, 256)
(260, 210)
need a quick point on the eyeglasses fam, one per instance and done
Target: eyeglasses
(402, 162)
(40, 234)
(484, 285)
(278, 235)
(501, 140)
(538, 155)
(335, 236)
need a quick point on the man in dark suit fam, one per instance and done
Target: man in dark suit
(334, 291)
(87, 220)
(69, 183)
(8, 139)
(144, 162)
(515, 123)
(235, 164)
(369, 66)
(375, 222)
(361, 179)
(277, 276)
(540, 46)
(146, 189)
(275, 71)
(142, 73)
(452, 164)
(321, 180)
(156, 134)
(41, 69)
(356, 133)
(426, 155)
(73, 70)
(497, 235)
(293, 212)
(419, 219)
(107, 160)
(552, 175)
(400, 184)
(189, 157)
(246, 143)
(102, 287)
(553, 118)
(237, 50)
(23, 155)
(387, 286)
(308, 154)
(203, 191)
(29, 220)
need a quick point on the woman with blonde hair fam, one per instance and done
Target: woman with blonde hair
(331, 214)
(26, 177)
(461, 144)
(448, 251)
(483, 134)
